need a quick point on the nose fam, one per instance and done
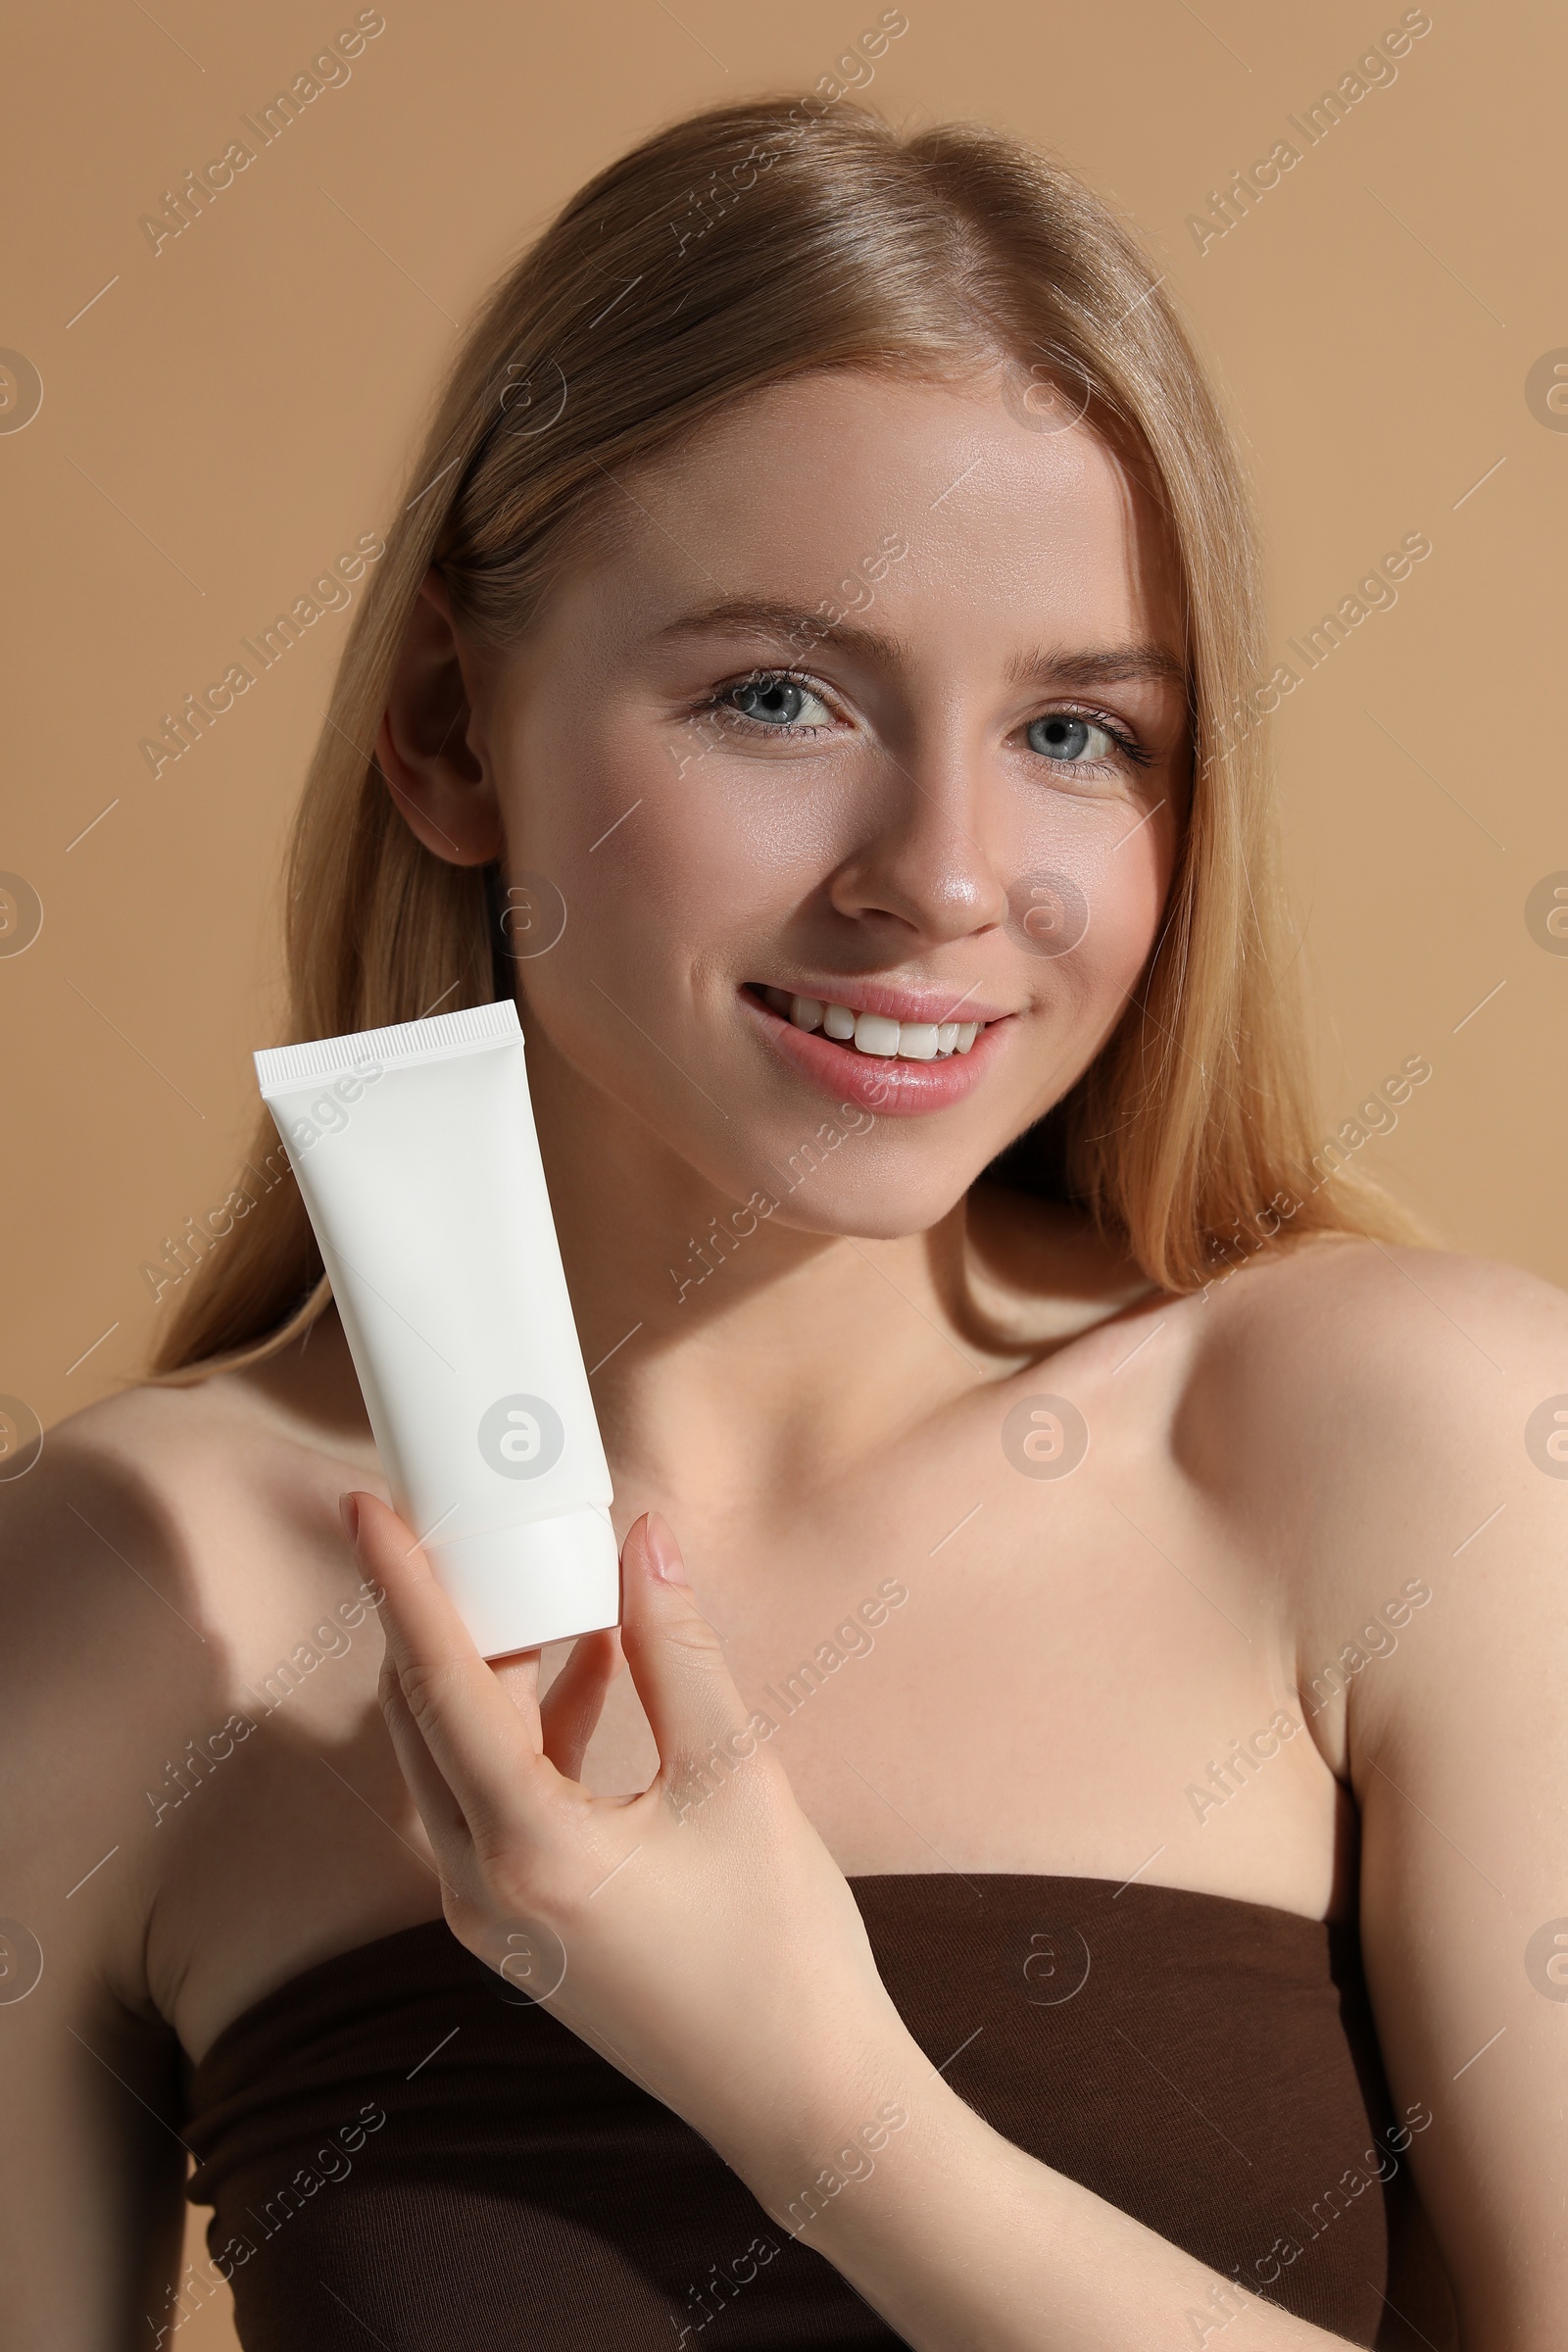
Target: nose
(920, 874)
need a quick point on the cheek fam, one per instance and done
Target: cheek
(1089, 909)
(705, 865)
(728, 851)
(643, 815)
(638, 992)
(674, 892)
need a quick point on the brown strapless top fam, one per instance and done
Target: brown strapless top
(403, 2149)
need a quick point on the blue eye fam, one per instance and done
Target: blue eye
(1068, 739)
(776, 701)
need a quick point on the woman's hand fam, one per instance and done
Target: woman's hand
(699, 1936)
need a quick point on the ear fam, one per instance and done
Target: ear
(438, 780)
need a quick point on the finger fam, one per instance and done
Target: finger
(438, 1808)
(487, 1752)
(570, 1711)
(517, 1673)
(676, 1659)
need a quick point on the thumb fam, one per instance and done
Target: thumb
(676, 1659)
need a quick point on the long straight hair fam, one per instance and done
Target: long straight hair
(738, 248)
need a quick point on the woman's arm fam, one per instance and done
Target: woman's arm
(701, 1938)
(1440, 1546)
(964, 2244)
(91, 2162)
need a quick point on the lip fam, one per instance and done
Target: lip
(910, 1003)
(884, 1085)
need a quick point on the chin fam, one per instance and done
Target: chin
(869, 1204)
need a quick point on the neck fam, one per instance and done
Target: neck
(729, 1352)
(739, 1360)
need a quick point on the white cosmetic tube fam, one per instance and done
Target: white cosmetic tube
(415, 1154)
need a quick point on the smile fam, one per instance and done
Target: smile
(882, 1054)
(874, 1033)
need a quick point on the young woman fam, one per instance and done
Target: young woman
(1077, 1857)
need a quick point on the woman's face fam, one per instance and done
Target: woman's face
(877, 704)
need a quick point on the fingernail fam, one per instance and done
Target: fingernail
(349, 1513)
(664, 1550)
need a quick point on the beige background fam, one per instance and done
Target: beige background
(228, 414)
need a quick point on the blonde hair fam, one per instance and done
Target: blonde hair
(733, 250)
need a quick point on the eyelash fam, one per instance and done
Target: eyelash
(717, 706)
(1128, 744)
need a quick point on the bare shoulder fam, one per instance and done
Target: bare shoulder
(103, 1580)
(1376, 1356)
(154, 1559)
(167, 1549)
(1387, 1429)
(139, 1513)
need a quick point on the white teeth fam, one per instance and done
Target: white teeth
(874, 1032)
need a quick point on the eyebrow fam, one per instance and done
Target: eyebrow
(755, 616)
(1114, 665)
(752, 616)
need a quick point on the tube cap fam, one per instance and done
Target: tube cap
(517, 1587)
